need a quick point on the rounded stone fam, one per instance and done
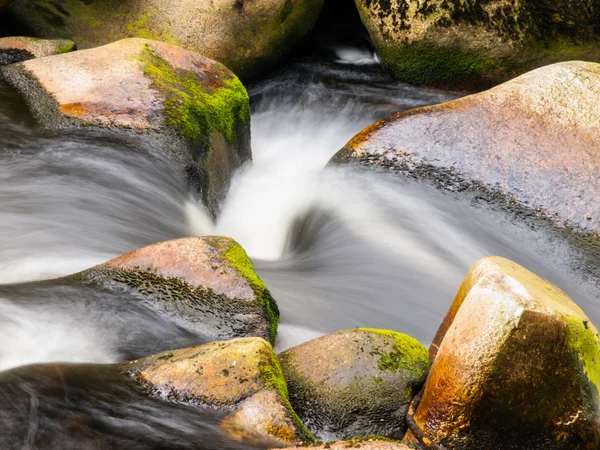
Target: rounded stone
(18, 48)
(241, 377)
(176, 104)
(246, 36)
(207, 284)
(534, 140)
(517, 365)
(355, 383)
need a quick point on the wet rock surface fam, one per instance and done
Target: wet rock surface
(355, 383)
(365, 444)
(516, 366)
(246, 36)
(17, 49)
(478, 43)
(241, 377)
(206, 284)
(187, 109)
(533, 141)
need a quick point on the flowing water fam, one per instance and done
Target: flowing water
(338, 247)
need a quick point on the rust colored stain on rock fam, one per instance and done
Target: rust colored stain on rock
(198, 261)
(535, 138)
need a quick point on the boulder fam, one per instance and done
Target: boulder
(533, 140)
(181, 106)
(17, 49)
(246, 36)
(355, 382)
(206, 284)
(516, 365)
(240, 377)
(477, 43)
(364, 444)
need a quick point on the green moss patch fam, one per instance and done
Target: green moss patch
(584, 341)
(272, 377)
(239, 259)
(192, 109)
(407, 353)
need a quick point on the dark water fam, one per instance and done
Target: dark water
(338, 247)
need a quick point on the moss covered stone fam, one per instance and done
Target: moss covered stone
(516, 366)
(476, 43)
(240, 377)
(355, 383)
(248, 37)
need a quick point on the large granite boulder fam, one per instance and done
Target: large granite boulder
(246, 36)
(207, 284)
(355, 383)
(241, 377)
(18, 48)
(516, 365)
(478, 42)
(176, 104)
(533, 140)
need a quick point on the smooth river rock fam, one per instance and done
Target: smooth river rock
(534, 140)
(207, 284)
(241, 377)
(364, 444)
(183, 107)
(478, 42)
(18, 48)
(247, 36)
(517, 366)
(355, 383)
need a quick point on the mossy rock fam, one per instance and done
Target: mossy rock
(247, 36)
(532, 143)
(478, 43)
(355, 383)
(240, 377)
(207, 284)
(517, 365)
(177, 105)
(19, 48)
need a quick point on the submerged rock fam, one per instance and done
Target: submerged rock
(17, 49)
(246, 36)
(181, 106)
(534, 140)
(478, 42)
(517, 365)
(240, 376)
(206, 284)
(355, 383)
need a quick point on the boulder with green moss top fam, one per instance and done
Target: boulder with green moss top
(517, 365)
(18, 48)
(206, 284)
(479, 42)
(241, 377)
(531, 143)
(173, 103)
(355, 383)
(246, 36)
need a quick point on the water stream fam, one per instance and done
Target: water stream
(338, 248)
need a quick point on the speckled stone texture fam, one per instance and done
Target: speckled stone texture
(517, 365)
(534, 139)
(17, 49)
(240, 377)
(183, 107)
(194, 281)
(248, 36)
(363, 444)
(355, 383)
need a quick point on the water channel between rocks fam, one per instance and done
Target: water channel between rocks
(337, 247)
